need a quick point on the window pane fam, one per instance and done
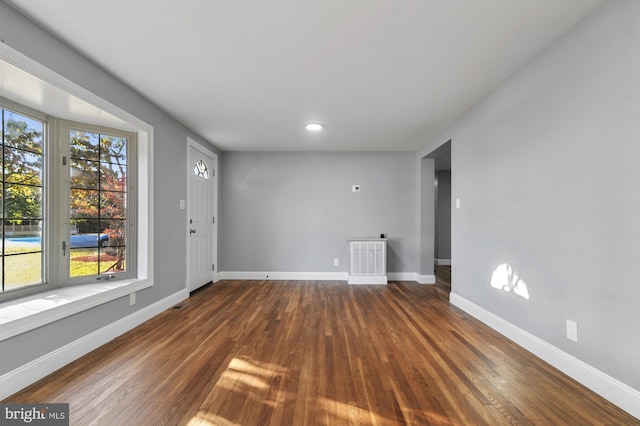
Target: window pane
(84, 226)
(84, 145)
(21, 192)
(22, 132)
(83, 262)
(84, 174)
(113, 205)
(112, 260)
(22, 237)
(114, 230)
(22, 251)
(84, 203)
(113, 177)
(22, 167)
(201, 169)
(22, 202)
(98, 203)
(88, 240)
(113, 149)
(22, 270)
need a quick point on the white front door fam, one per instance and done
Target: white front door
(201, 256)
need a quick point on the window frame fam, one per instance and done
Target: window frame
(64, 278)
(42, 89)
(9, 105)
(55, 203)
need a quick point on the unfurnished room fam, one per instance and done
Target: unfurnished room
(320, 213)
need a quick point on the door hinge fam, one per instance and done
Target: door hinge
(64, 248)
(64, 160)
(213, 266)
(214, 220)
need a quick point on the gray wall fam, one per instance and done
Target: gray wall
(547, 170)
(169, 186)
(443, 214)
(293, 212)
(426, 194)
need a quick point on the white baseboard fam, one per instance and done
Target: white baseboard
(426, 279)
(402, 276)
(604, 385)
(443, 262)
(412, 276)
(29, 373)
(293, 276)
(367, 279)
(322, 276)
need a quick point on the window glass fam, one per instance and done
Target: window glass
(66, 199)
(98, 203)
(201, 169)
(21, 200)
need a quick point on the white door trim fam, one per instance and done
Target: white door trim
(214, 241)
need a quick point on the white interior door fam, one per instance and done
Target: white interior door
(201, 256)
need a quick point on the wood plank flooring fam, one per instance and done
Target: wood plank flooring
(318, 353)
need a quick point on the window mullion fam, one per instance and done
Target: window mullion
(58, 227)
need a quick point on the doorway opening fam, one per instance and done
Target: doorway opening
(442, 215)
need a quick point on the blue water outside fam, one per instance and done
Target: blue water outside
(77, 240)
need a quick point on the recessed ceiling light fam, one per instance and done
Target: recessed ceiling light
(314, 127)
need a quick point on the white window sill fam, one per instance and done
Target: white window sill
(22, 315)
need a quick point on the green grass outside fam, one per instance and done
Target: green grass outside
(26, 269)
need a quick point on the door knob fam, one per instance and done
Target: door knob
(192, 231)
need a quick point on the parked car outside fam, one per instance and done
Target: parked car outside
(89, 240)
(75, 241)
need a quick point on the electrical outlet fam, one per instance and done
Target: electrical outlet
(336, 262)
(132, 298)
(572, 330)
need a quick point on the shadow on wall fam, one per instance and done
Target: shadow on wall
(505, 278)
(394, 262)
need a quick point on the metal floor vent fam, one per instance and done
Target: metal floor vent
(177, 307)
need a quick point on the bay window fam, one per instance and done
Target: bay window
(67, 201)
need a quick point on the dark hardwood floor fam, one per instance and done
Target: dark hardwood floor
(307, 353)
(443, 277)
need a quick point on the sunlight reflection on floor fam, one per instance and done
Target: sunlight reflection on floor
(262, 383)
(208, 419)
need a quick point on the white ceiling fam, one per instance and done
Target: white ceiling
(248, 74)
(19, 85)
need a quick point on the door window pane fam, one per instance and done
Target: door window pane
(201, 169)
